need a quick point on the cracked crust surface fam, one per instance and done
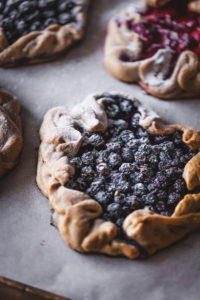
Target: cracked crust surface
(184, 81)
(10, 131)
(78, 217)
(41, 46)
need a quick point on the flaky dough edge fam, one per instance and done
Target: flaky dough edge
(77, 216)
(184, 81)
(48, 44)
(10, 131)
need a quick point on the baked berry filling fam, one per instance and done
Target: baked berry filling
(1, 145)
(18, 17)
(126, 168)
(171, 27)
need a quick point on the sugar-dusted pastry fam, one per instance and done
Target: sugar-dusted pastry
(120, 181)
(158, 46)
(10, 131)
(36, 31)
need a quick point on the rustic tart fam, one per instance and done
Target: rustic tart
(35, 31)
(157, 45)
(120, 181)
(10, 131)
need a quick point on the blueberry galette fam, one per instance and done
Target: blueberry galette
(158, 46)
(10, 131)
(119, 180)
(35, 31)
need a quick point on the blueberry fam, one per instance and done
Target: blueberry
(115, 147)
(139, 189)
(127, 135)
(133, 144)
(96, 140)
(127, 154)
(49, 14)
(161, 181)
(103, 197)
(120, 182)
(114, 160)
(95, 186)
(159, 138)
(102, 169)
(102, 156)
(127, 168)
(162, 195)
(126, 107)
(151, 198)
(144, 148)
(119, 197)
(26, 6)
(132, 200)
(112, 111)
(87, 173)
(142, 132)
(173, 198)
(88, 158)
(180, 185)
(36, 26)
(66, 5)
(21, 26)
(161, 206)
(76, 162)
(140, 158)
(115, 211)
(64, 18)
(135, 120)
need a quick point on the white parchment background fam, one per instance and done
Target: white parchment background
(32, 251)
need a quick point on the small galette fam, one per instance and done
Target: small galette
(120, 181)
(37, 31)
(157, 45)
(10, 131)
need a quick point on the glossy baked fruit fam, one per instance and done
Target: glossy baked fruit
(19, 17)
(38, 31)
(171, 27)
(126, 168)
(157, 45)
(120, 180)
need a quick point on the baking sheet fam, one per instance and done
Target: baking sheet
(32, 251)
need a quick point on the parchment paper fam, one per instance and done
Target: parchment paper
(32, 251)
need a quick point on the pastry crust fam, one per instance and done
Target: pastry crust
(184, 81)
(10, 131)
(77, 216)
(41, 46)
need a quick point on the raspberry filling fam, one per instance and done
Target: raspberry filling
(171, 27)
(126, 168)
(19, 17)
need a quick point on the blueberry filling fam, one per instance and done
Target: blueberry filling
(126, 168)
(19, 17)
(171, 27)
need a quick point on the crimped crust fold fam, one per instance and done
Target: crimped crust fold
(150, 73)
(38, 46)
(78, 217)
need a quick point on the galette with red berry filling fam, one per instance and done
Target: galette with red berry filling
(158, 46)
(36, 31)
(119, 180)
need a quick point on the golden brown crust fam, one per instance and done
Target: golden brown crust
(77, 216)
(156, 3)
(10, 131)
(40, 46)
(149, 73)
